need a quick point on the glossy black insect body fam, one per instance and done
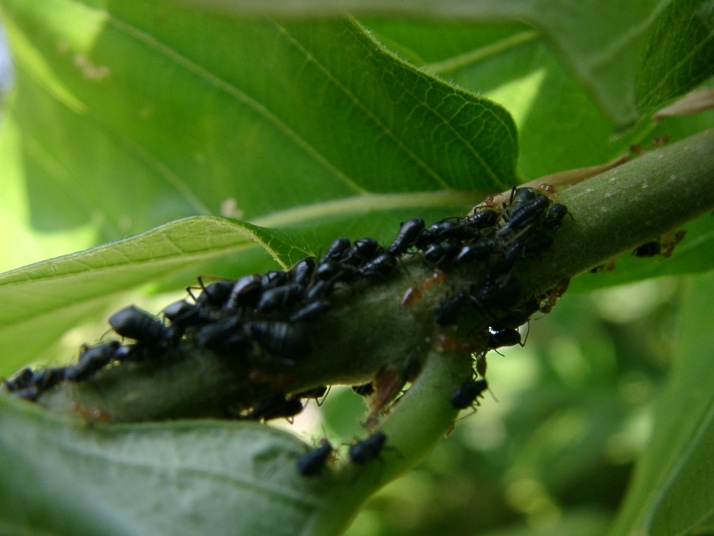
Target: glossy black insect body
(407, 236)
(450, 229)
(214, 294)
(311, 311)
(465, 395)
(184, 315)
(361, 251)
(93, 359)
(366, 389)
(137, 324)
(274, 278)
(516, 316)
(482, 219)
(275, 406)
(21, 380)
(498, 293)
(313, 462)
(648, 249)
(336, 250)
(508, 257)
(382, 265)
(283, 339)
(302, 271)
(41, 381)
(335, 271)
(368, 449)
(521, 217)
(504, 337)
(318, 290)
(246, 292)
(438, 252)
(279, 297)
(554, 215)
(315, 392)
(447, 311)
(225, 337)
(478, 251)
(522, 196)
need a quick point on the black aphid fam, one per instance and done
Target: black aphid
(92, 359)
(407, 236)
(275, 406)
(283, 339)
(368, 449)
(313, 462)
(466, 394)
(134, 323)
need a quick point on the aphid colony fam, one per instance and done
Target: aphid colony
(261, 315)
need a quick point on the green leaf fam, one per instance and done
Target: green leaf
(560, 125)
(600, 41)
(44, 300)
(679, 54)
(220, 129)
(670, 493)
(694, 254)
(65, 477)
(231, 477)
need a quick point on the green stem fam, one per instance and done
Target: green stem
(611, 213)
(413, 428)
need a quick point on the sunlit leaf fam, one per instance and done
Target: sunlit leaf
(601, 41)
(679, 54)
(44, 300)
(204, 113)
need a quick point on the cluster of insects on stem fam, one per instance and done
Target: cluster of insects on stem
(264, 321)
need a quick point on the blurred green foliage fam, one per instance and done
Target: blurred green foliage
(552, 451)
(128, 117)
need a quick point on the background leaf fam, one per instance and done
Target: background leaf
(602, 42)
(670, 493)
(62, 477)
(208, 114)
(559, 124)
(84, 77)
(46, 299)
(679, 54)
(141, 125)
